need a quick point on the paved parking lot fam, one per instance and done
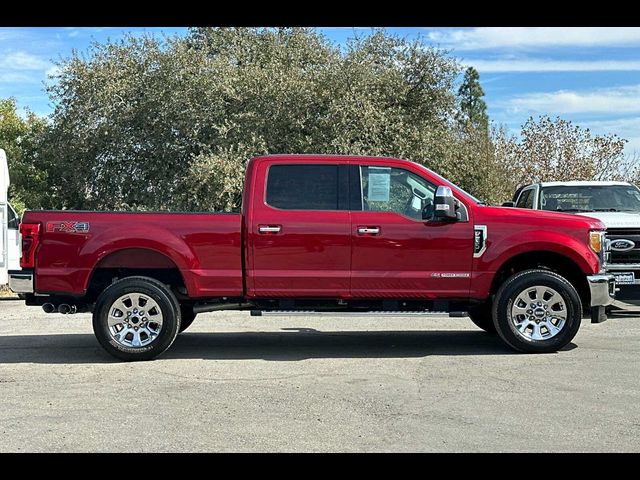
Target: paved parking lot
(238, 383)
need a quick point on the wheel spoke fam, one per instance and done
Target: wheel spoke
(553, 330)
(536, 334)
(538, 312)
(540, 291)
(523, 298)
(148, 313)
(523, 326)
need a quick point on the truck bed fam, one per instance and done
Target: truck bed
(205, 248)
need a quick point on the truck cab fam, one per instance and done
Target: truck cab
(616, 204)
(9, 224)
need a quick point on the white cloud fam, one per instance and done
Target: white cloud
(527, 37)
(23, 61)
(13, 77)
(616, 100)
(547, 65)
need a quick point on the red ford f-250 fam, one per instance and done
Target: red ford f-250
(321, 234)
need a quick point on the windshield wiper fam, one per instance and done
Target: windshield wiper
(606, 210)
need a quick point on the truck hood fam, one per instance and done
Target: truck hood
(545, 217)
(616, 219)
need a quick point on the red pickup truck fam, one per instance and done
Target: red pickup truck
(318, 234)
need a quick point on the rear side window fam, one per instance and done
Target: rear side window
(526, 199)
(303, 187)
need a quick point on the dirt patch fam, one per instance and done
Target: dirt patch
(6, 293)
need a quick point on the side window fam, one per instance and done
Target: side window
(526, 199)
(303, 187)
(390, 189)
(13, 220)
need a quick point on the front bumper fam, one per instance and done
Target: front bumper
(21, 281)
(603, 289)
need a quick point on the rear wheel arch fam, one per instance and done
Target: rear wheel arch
(132, 262)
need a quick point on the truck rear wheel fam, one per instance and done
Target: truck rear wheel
(136, 318)
(537, 311)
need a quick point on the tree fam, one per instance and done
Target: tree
(156, 124)
(557, 150)
(472, 107)
(18, 137)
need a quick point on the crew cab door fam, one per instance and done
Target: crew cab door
(395, 253)
(299, 239)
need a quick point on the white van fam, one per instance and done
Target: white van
(9, 222)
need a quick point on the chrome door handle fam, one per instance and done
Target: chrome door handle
(368, 230)
(269, 229)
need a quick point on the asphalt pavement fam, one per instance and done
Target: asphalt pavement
(233, 382)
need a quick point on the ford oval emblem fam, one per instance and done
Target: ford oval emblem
(622, 245)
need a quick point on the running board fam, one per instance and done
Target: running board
(386, 313)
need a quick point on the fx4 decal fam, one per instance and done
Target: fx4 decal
(68, 227)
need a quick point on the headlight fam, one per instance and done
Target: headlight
(596, 240)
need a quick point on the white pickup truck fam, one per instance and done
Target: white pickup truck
(616, 204)
(9, 236)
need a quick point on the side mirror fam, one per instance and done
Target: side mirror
(444, 205)
(508, 204)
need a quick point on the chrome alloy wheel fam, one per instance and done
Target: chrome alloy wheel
(135, 320)
(538, 313)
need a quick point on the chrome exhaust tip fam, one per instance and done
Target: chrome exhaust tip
(49, 308)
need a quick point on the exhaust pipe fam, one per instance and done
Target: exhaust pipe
(49, 308)
(65, 309)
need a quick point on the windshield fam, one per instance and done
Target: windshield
(586, 198)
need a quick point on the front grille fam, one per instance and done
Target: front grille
(630, 256)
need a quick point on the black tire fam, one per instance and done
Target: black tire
(187, 317)
(482, 317)
(508, 293)
(167, 303)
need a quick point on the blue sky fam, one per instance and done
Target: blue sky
(588, 75)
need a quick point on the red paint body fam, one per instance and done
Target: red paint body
(315, 253)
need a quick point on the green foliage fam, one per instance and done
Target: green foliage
(170, 124)
(557, 150)
(19, 137)
(151, 124)
(472, 109)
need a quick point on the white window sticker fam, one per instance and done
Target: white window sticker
(379, 184)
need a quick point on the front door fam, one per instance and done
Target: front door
(395, 253)
(300, 231)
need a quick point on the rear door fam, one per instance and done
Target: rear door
(395, 253)
(300, 230)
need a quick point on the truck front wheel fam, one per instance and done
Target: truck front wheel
(537, 311)
(136, 318)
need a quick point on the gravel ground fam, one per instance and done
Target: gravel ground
(238, 383)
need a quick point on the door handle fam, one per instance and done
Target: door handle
(368, 230)
(269, 228)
